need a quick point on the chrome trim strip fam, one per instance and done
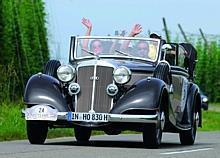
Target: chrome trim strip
(111, 104)
(93, 88)
(133, 118)
(178, 68)
(118, 37)
(76, 105)
(179, 73)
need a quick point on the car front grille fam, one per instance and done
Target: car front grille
(103, 77)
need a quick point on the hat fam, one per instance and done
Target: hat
(155, 35)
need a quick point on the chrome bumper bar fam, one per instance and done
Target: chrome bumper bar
(30, 114)
(133, 118)
(119, 118)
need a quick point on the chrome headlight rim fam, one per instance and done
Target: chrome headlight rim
(66, 73)
(122, 71)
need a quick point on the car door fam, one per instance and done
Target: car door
(179, 74)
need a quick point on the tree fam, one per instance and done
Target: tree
(23, 45)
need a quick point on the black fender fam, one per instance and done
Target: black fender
(44, 89)
(143, 95)
(193, 96)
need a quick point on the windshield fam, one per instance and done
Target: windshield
(143, 48)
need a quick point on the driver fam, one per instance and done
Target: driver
(142, 49)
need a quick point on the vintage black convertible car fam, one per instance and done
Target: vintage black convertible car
(115, 84)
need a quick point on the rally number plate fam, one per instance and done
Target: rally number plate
(41, 112)
(88, 117)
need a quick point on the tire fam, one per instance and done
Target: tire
(37, 131)
(188, 137)
(82, 134)
(152, 133)
(51, 68)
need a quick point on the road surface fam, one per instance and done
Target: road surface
(207, 145)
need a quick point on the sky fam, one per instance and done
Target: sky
(64, 18)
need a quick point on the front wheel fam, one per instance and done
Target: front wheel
(37, 131)
(82, 134)
(152, 133)
(188, 137)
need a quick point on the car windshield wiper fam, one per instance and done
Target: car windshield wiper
(90, 52)
(123, 53)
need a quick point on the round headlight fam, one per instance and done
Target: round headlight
(122, 75)
(65, 73)
(205, 99)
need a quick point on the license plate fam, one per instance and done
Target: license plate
(41, 112)
(88, 117)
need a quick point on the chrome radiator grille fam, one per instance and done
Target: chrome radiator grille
(85, 77)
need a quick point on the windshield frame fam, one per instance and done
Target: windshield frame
(74, 45)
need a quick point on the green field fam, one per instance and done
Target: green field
(211, 118)
(12, 125)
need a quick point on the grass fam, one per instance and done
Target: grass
(12, 125)
(211, 121)
(214, 107)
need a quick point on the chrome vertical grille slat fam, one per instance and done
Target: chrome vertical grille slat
(102, 102)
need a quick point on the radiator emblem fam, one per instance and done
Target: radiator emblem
(92, 78)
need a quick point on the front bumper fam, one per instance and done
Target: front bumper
(118, 118)
(68, 116)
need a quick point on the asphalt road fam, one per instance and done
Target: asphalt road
(207, 145)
